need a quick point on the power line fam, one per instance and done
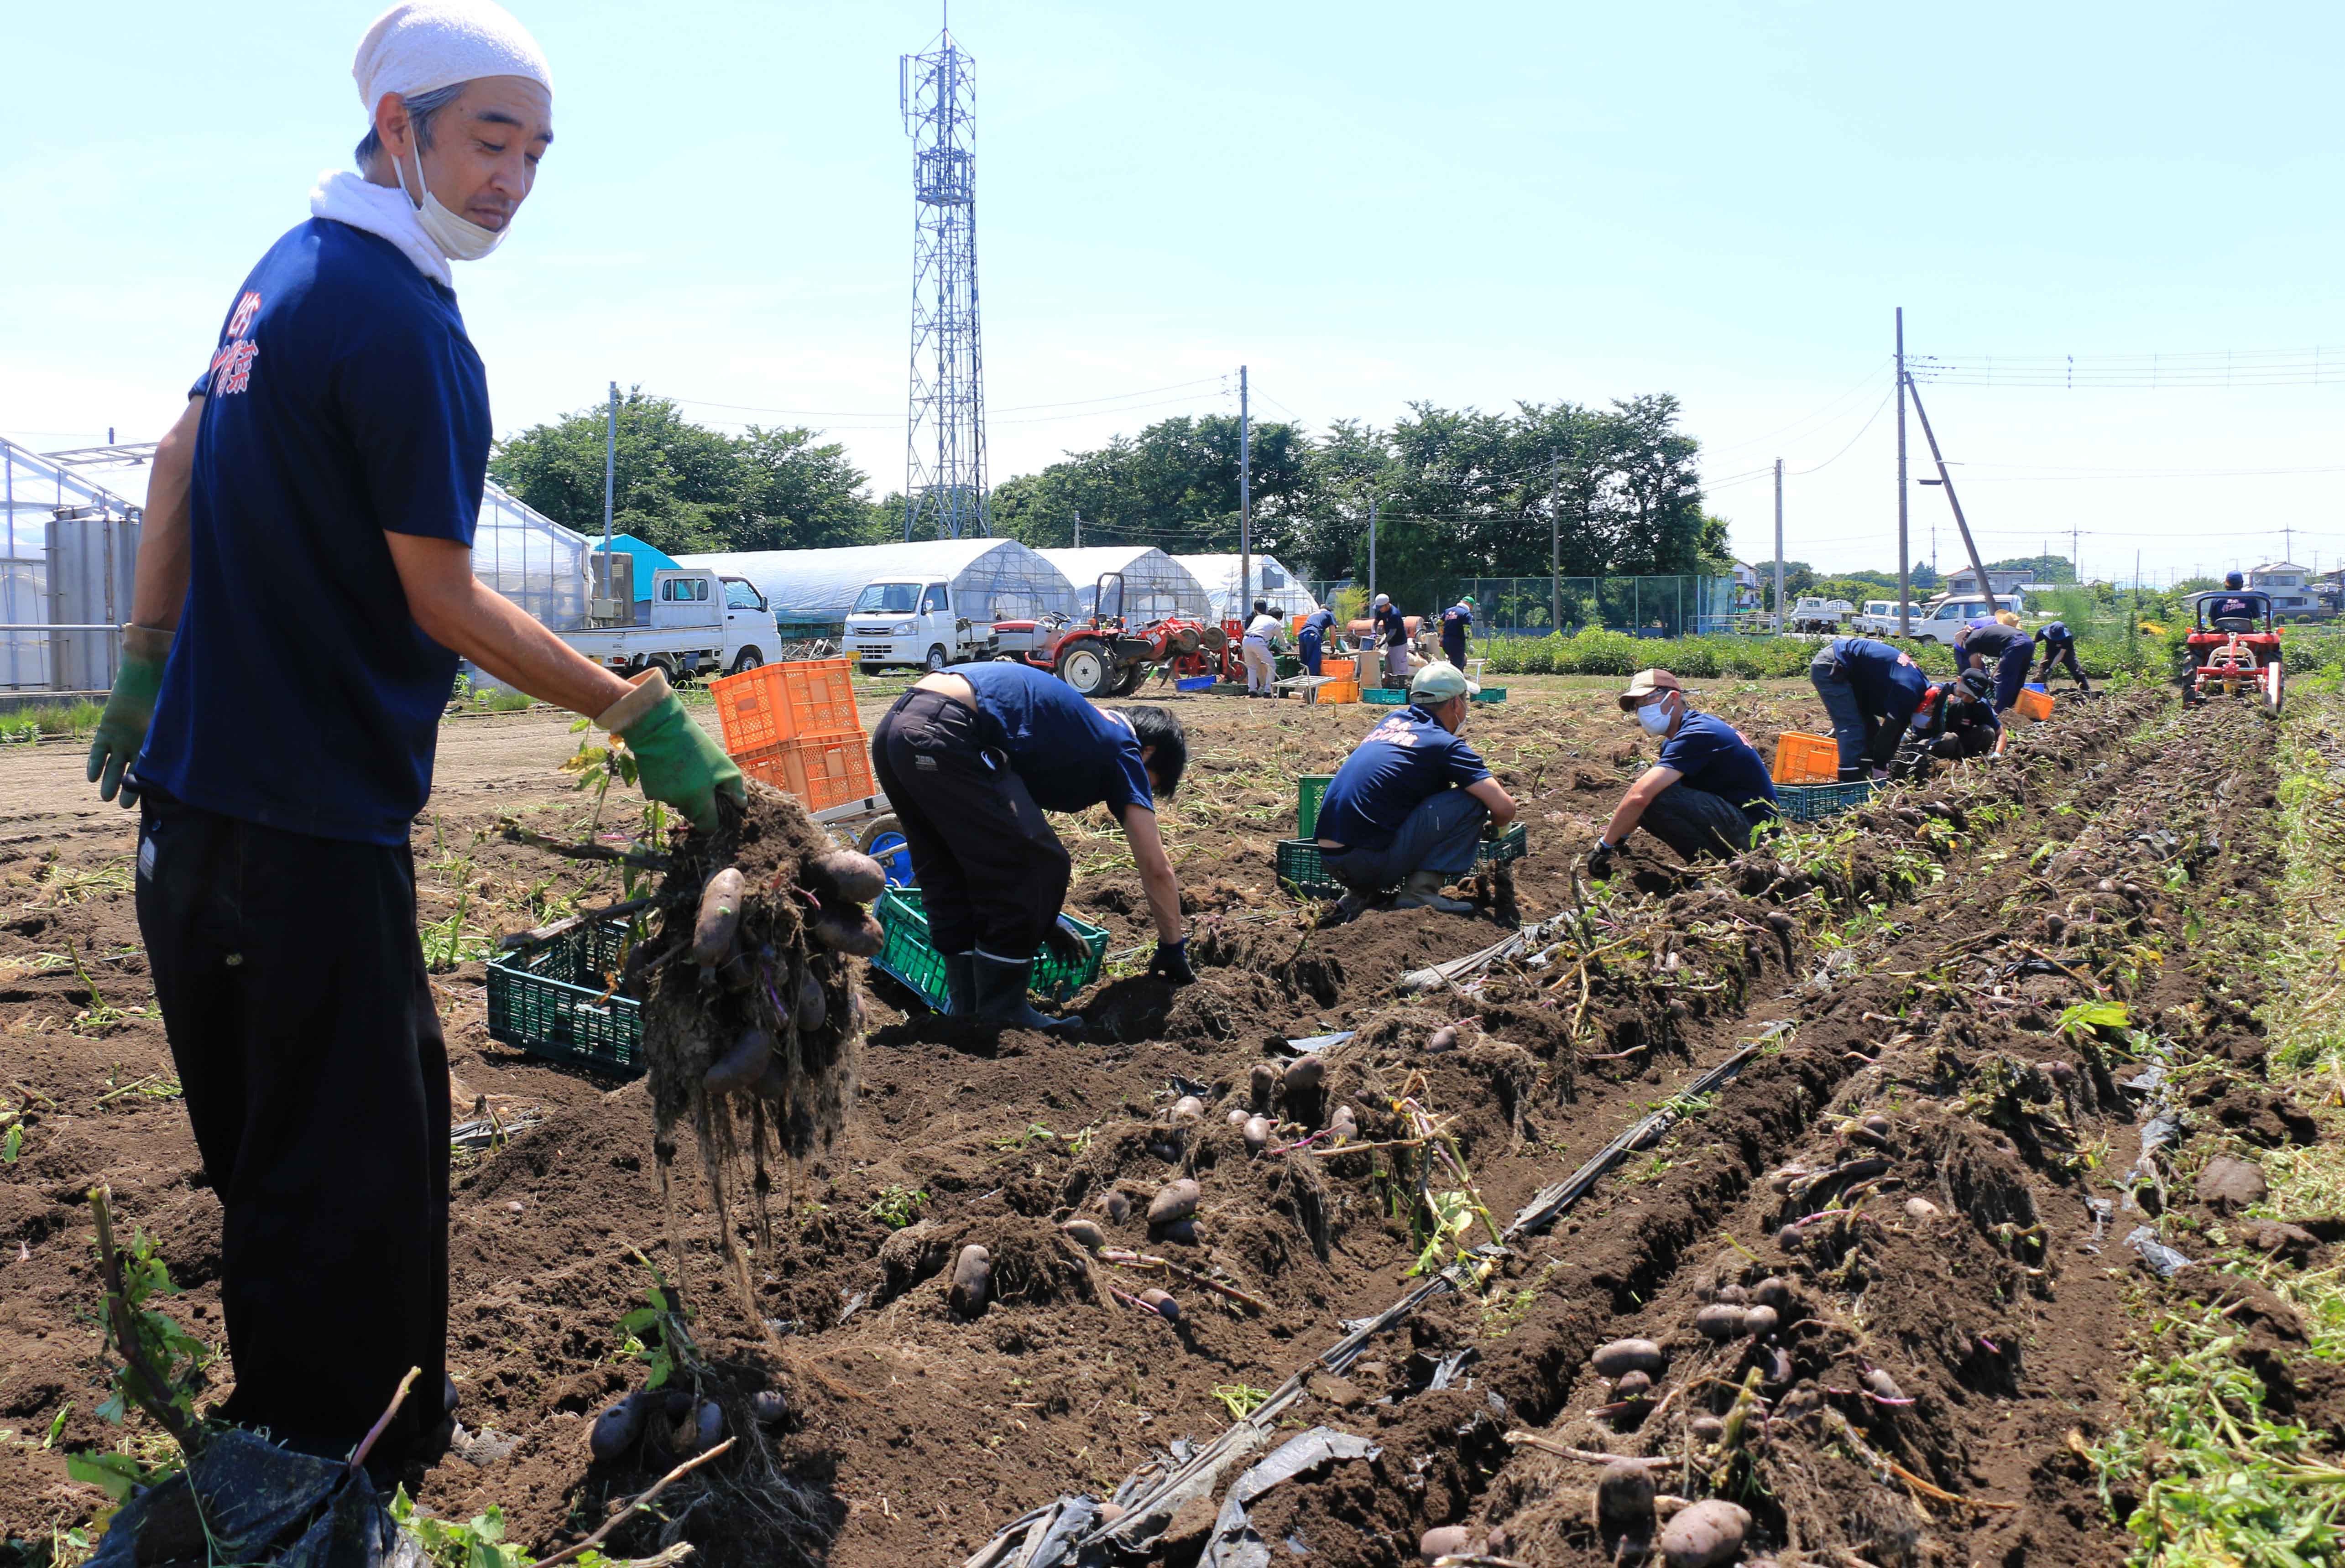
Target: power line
(1853, 440)
(2200, 370)
(1816, 415)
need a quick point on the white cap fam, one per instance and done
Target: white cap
(422, 45)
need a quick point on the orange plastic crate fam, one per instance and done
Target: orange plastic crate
(821, 771)
(1806, 759)
(2033, 705)
(1337, 692)
(759, 709)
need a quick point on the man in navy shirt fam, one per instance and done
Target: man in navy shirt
(1956, 718)
(2060, 646)
(1871, 690)
(307, 541)
(1707, 795)
(1389, 629)
(1409, 804)
(2004, 650)
(1455, 623)
(970, 759)
(1311, 642)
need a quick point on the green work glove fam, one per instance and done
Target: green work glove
(677, 761)
(130, 709)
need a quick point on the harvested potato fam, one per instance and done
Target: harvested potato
(1624, 1504)
(1624, 1356)
(849, 931)
(720, 917)
(844, 876)
(742, 1066)
(973, 1280)
(617, 1429)
(1706, 1535)
(1174, 1201)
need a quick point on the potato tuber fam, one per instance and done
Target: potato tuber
(1188, 1108)
(843, 876)
(1706, 1535)
(1623, 1355)
(742, 1066)
(849, 931)
(1303, 1074)
(1260, 1082)
(1175, 1200)
(1624, 1504)
(973, 1280)
(769, 1407)
(1162, 1303)
(1719, 1322)
(719, 918)
(1257, 1132)
(616, 1429)
(1084, 1234)
(810, 1009)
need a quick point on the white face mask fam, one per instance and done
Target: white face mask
(1653, 718)
(459, 238)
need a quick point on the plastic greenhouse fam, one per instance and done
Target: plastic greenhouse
(531, 560)
(1155, 584)
(68, 548)
(1288, 594)
(811, 590)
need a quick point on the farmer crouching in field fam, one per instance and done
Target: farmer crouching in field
(1956, 718)
(1411, 802)
(2004, 651)
(970, 759)
(1871, 690)
(303, 592)
(1707, 795)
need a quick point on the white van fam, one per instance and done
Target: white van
(1879, 618)
(1947, 617)
(910, 624)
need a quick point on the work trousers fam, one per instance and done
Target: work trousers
(1696, 822)
(1309, 648)
(301, 1019)
(1858, 733)
(2058, 654)
(1396, 664)
(1453, 652)
(982, 852)
(1261, 673)
(1441, 835)
(2011, 675)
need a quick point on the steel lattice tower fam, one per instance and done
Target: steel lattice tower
(944, 478)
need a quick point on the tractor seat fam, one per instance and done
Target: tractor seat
(2234, 623)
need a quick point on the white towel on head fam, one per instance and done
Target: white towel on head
(382, 209)
(421, 45)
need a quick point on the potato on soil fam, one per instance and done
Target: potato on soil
(1706, 1535)
(617, 1429)
(1084, 1234)
(973, 1280)
(1174, 1201)
(849, 931)
(1257, 1132)
(1188, 1108)
(1116, 1205)
(1624, 1356)
(1303, 1074)
(1719, 1322)
(1443, 1038)
(1162, 1303)
(720, 917)
(1632, 1386)
(1624, 1504)
(1452, 1540)
(1759, 1321)
(1259, 1083)
(1883, 1384)
(769, 1407)
(707, 1429)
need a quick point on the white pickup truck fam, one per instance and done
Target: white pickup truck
(1820, 614)
(1880, 617)
(702, 624)
(1944, 620)
(910, 622)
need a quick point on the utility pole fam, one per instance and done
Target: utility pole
(1904, 570)
(1079, 528)
(2075, 550)
(1245, 503)
(1554, 543)
(1986, 585)
(1779, 547)
(610, 481)
(1373, 500)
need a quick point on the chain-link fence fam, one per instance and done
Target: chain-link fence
(1656, 606)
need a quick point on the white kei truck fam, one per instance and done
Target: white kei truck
(910, 623)
(701, 623)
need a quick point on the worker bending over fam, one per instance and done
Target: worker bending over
(1871, 690)
(970, 760)
(1456, 623)
(1389, 629)
(2004, 650)
(308, 535)
(2060, 646)
(1411, 802)
(1312, 641)
(1261, 632)
(1956, 718)
(1709, 792)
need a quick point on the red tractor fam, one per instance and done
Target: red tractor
(2234, 649)
(1103, 656)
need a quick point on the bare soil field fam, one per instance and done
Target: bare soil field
(1854, 1079)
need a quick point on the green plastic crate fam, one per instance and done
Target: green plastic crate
(1387, 696)
(1309, 789)
(549, 1001)
(1301, 872)
(906, 955)
(1809, 803)
(1491, 695)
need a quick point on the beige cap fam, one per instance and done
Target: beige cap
(1644, 684)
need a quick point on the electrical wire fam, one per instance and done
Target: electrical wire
(2221, 368)
(1817, 415)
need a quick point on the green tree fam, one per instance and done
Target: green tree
(2039, 568)
(683, 487)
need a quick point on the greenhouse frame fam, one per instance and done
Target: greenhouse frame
(1155, 584)
(1288, 594)
(812, 591)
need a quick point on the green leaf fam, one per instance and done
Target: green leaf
(636, 1321)
(10, 1143)
(114, 1473)
(58, 1426)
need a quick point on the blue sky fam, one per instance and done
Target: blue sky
(1367, 203)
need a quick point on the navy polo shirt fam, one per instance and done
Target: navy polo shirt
(344, 401)
(1405, 761)
(2057, 634)
(1454, 622)
(1883, 684)
(1072, 755)
(1712, 758)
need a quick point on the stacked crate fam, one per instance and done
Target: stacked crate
(795, 726)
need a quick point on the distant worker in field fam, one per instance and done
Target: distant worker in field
(308, 534)
(2004, 650)
(1456, 623)
(2237, 603)
(1956, 718)
(1412, 800)
(1871, 690)
(2060, 646)
(1707, 795)
(970, 759)
(1261, 632)
(1389, 631)
(1311, 642)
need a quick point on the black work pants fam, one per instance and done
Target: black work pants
(1697, 822)
(2057, 654)
(301, 1018)
(991, 873)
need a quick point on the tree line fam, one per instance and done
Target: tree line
(1456, 493)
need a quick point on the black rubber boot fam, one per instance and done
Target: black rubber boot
(1001, 987)
(1424, 892)
(960, 984)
